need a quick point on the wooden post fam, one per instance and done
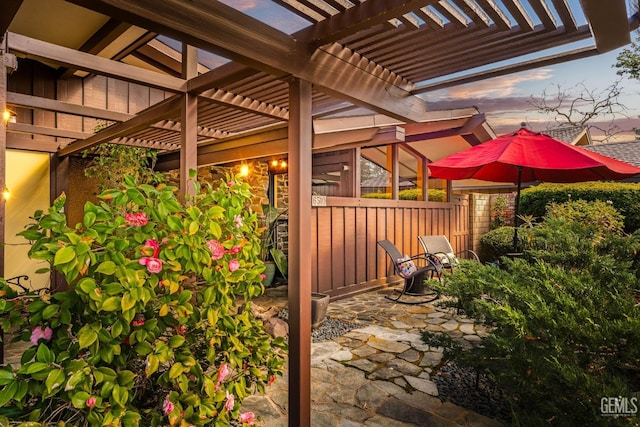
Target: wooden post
(395, 171)
(300, 162)
(3, 165)
(189, 122)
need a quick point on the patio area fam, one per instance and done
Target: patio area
(380, 373)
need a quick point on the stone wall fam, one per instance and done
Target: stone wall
(483, 215)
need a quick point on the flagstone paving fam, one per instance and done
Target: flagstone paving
(378, 374)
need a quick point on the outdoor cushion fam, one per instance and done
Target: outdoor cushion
(406, 266)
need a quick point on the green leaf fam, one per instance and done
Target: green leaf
(8, 393)
(176, 341)
(75, 379)
(89, 219)
(106, 267)
(55, 379)
(128, 302)
(79, 399)
(175, 370)
(64, 255)
(152, 364)
(174, 223)
(44, 354)
(6, 376)
(34, 367)
(87, 336)
(136, 196)
(111, 304)
(50, 311)
(193, 228)
(86, 284)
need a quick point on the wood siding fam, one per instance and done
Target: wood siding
(345, 232)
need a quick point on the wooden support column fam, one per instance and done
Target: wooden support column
(423, 177)
(300, 143)
(59, 183)
(395, 170)
(3, 152)
(3, 178)
(189, 122)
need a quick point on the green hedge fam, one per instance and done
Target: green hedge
(625, 197)
(412, 194)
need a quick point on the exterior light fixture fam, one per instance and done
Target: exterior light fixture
(6, 194)
(277, 166)
(244, 170)
(8, 116)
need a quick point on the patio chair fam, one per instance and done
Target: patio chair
(414, 271)
(440, 246)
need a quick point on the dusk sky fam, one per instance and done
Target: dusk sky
(505, 100)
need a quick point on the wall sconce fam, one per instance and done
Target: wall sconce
(277, 166)
(244, 169)
(8, 116)
(6, 194)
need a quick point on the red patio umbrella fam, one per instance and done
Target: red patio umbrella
(526, 156)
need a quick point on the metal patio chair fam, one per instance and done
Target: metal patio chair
(414, 271)
(440, 246)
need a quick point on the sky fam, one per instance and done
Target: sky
(506, 100)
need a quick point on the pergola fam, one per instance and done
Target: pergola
(232, 80)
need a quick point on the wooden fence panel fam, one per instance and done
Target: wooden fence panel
(348, 259)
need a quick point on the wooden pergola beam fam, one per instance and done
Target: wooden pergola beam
(159, 111)
(44, 51)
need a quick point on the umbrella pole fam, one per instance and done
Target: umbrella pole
(516, 211)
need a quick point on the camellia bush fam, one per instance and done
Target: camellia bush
(155, 328)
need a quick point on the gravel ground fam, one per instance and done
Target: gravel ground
(457, 384)
(329, 329)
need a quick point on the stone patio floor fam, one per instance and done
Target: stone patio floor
(379, 373)
(375, 375)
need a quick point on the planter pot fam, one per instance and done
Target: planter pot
(269, 273)
(319, 305)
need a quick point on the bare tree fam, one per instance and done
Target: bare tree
(583, 107)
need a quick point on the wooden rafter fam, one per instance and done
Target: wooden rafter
(259, 46)
(165, 108)
(41, 50)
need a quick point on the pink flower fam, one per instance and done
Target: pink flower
(235, 249)
(38, 333)
(247, 418)
(154, 265)
(234, 264)
(216, 248)
(91, 402)
(137, 219)
(167, 406)
(263, 276)
(228, 405)
(223, 372)
(272, 379)
(230, 183)
(238, 220)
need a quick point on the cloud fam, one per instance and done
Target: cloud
(242, 4)
(495, 87)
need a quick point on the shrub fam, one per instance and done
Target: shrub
(498, 243)
(434, 195)
(625, 197)
(156, 326)
(564, 320)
